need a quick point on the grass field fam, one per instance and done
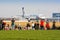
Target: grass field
(30, 35)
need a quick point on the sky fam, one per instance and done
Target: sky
(9, 8)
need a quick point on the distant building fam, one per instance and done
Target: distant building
(56, 15)
(34, 17)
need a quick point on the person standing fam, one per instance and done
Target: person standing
(37, 27)
(53, 26)
(3, 25)
(13, 23)
(33, 26)
(0, 24)
(42, 24)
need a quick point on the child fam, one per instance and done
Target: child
(16, 27)
(7, 27)
(47, 26)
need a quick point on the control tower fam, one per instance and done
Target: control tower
(23, 12)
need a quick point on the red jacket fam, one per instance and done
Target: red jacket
(41, 23)
(47, 25)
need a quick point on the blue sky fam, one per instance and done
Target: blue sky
(29, 1)
(10, 8)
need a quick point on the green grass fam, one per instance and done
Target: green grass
(30, 35)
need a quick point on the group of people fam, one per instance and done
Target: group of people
(4, 26)
(33, 26)
(41, 25)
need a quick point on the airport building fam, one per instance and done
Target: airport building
(56, 15)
